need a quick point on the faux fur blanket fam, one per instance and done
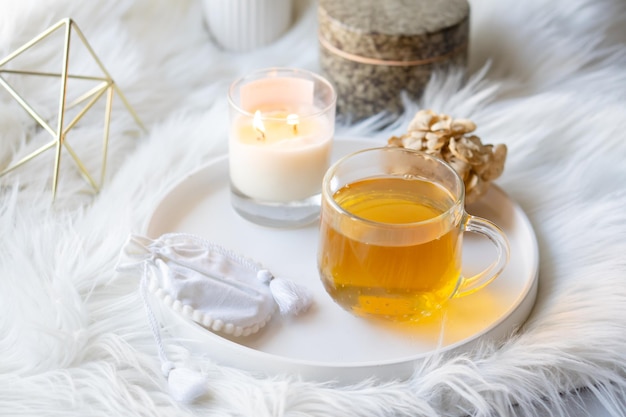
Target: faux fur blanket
(547, 78)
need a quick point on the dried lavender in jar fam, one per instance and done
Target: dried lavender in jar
(372, 50)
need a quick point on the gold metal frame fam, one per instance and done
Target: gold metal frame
(106, 86)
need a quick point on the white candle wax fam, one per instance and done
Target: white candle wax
(287, 162)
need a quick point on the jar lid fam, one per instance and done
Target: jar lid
(394, 29)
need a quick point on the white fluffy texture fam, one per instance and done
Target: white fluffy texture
(546, 77)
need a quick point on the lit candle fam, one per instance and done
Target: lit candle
(274, 159)
(280, 136)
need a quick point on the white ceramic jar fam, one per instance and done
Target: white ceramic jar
(243, 25)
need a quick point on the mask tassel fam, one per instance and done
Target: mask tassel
(186, 385)
(290, 297)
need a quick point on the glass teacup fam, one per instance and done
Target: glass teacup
(391, 232)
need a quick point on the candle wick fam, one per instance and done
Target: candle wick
(261, 135)
(292, 119)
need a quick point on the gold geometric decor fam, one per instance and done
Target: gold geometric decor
(59, 128)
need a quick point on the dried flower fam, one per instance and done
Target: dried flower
(449, 139)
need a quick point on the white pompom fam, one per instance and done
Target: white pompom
(290, 297)
(166, 368)
(186, 385)
(264, 276)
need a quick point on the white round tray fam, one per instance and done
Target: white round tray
(328, 343)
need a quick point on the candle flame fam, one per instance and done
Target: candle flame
(258, 125)
(293, 120)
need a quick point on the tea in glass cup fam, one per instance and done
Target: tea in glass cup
(391, 233)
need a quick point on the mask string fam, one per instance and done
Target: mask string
(167, 366)
(185, 385)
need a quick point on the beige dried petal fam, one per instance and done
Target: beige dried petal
(469, 149)
(434, 136)
(433, 152)
(396, 141)
(475, 187)
(462, 126)
(496, 165)
(475, 142)
(454, 148)
(418, 134)
(443, 123)
(411, 142)
(499, 153)
(422, 120)
(435, 145)
(446, 154)
(485, 162)
(435, 140)
(461, 167)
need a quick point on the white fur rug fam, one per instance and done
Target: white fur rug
(547, 78)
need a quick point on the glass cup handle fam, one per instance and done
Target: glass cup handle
(498, 238)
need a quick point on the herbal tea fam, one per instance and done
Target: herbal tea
(391, 227)
(386, 266)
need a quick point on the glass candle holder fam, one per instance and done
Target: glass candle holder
(281, 129)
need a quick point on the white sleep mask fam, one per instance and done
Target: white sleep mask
(212, 286)
(215, 287)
